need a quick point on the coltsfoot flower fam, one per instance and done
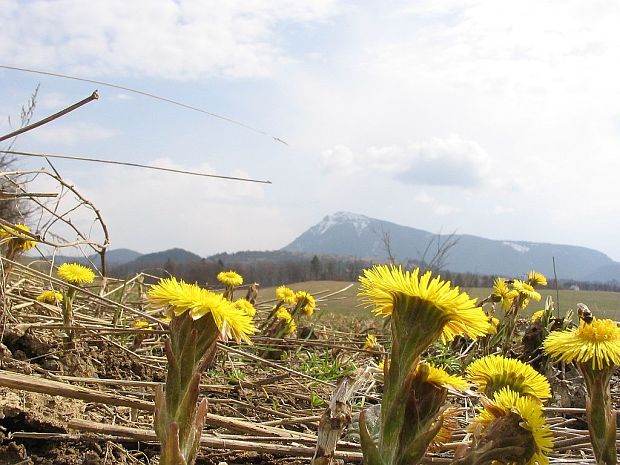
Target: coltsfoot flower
(246, 306)
(291, 327)
(534, 278)
(506, 295)
(442, 378)
(283, 314)
(50, 297)
(538, 439)
(230, 278)
(286, 295)
(308, 302)
(596, 343)
(449, 424)
(15, 235)
(537, 315)
(179, 297)
(526, 290)
(142, 325)
(495, 372)
(371, 342)
(75, 274)
(381, 285)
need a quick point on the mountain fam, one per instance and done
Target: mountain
(114, 257)
(120, 256)
(160, 258)
(350, 234)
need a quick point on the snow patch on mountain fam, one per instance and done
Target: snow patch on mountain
(359, 222)
(518, 247)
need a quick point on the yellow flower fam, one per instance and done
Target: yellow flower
(495, 372)
(442, 378)
(597, 342)
(526, 290)
(141, 324)
(501, 289)
(17, 237)
(75, 274)
(179, 297)
(50, 297)
(286, 295)
(371, 342)
(291, 327)
(534, 278)
(537, 315)
(230, 278)
(175, 296)
(529, 410)
(449, 425)
(283, 314)
(246, 306)
(381, 285)
(493, 324)
(309, 304)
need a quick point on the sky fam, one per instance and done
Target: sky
(494, 118)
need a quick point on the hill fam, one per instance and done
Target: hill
(350, 234)
(114, 257)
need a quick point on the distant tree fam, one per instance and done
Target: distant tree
(315, 267)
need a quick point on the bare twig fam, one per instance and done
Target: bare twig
(75, 106)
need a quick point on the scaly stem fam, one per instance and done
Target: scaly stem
(67, 313)
(600, 414)
(179, 417)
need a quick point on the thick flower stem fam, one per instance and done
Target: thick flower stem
(405, 422)
(67, 313)
(601, 416)
(179, 417)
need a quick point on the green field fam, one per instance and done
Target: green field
(603, 304)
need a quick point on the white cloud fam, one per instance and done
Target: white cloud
(149, 210)
(339, 159)
(69, 134)
(165, 38)
(451, 161)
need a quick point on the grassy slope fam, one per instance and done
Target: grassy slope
(602, 304)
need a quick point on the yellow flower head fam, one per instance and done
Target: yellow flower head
(495, 372)
(534, 278)
(286, 295)
(291, 326)
(141, 324)
(246, 306)
(493, 324)
(537, 315)
(505, 402)
(178, 297)
(50, 297)
(449, 425)
(442, 378)
(371, 342)
(381, 284)
(15, 235)
(230, 278)
(175, 296)
(526, 290)
(75, 274)
(501, 289)
(309, 304)
(597, 343)
(283, 314)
